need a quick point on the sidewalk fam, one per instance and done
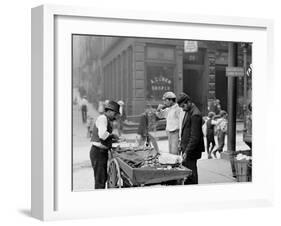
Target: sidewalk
(212, 171)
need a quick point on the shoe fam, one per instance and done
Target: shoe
(215, 154)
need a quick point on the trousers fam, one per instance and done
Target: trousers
(173, 138)
(99, 158)
(191, 164)
(84, 113)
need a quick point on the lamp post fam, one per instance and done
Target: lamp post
(245, 47)
(231, 104)
(231, 98)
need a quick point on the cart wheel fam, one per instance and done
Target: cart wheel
(114, 179)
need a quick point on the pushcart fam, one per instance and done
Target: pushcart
(121, 174)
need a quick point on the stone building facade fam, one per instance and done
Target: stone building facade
(139, 70)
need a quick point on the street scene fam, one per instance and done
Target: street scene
(160, 112)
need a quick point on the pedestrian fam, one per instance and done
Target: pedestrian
(172, 113)
(221, 130)
(84, 108)
(218, 107)
(210, 133)
(192, 142)
(102, 139)
(121, 118)
(90, 125)
(101, 107)
(146, 125)
(215, 106)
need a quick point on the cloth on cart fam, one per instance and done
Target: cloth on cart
(167, 158)
(139, 158)
(132, 158)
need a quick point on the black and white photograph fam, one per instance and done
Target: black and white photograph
(152, 112)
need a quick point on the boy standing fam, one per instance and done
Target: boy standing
(221, 128)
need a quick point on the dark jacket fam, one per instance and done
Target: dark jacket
(210, 129)
(192, 142)
(143, 125)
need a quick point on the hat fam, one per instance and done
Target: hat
(211, 114)
(183, 97)
(169, 95)
(112, 105)
(120, 102)
(223, 113)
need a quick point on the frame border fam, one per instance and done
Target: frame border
(43, 121)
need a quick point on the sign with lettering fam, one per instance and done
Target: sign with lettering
(160, 79)
(190, 46)
(234, 71)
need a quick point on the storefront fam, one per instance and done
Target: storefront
(139, 71)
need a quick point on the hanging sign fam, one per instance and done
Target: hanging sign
(234, 71)
(190, 46)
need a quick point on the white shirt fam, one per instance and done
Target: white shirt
(173, 117)
(101, 124)
(84, 101)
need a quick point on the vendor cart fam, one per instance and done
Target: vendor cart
(122, 173)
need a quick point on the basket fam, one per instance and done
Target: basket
(243, 170)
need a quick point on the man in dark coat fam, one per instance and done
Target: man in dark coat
(192, 143)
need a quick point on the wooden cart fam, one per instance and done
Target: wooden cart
(121, 174)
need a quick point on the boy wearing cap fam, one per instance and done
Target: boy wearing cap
(192, 142)
(221, 130)
(172, 113)
(210, 133)
(102, 139)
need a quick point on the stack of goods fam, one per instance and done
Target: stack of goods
(243, 168)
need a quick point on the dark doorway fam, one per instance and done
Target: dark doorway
(221, 86)
(194, 85)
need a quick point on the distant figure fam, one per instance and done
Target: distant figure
(215, 106)
(221, 130)
(122, 117)
(90, 125)
(101, 107)
(218, 107)
(210, 133)
(146, 125)
(84, 108)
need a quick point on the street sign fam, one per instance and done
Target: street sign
(235, 71)
(190, 46)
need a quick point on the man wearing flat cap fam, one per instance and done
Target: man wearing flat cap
(172, 113)
(102, 139)
(192, 143)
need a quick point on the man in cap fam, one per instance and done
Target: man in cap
(192, 143)
(172, 113)
(102, 139)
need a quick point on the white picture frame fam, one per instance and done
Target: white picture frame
(52, 197)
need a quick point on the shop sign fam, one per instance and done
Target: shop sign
(234, 71)
(190, 46)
